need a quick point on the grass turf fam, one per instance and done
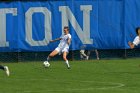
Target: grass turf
(93, 76)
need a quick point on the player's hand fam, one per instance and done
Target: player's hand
(51, 41)
(129, 43)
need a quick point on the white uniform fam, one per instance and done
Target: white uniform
(136, 40)
(63, 45)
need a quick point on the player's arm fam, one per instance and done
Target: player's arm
(134, 43)
(131, 45)
(55, 40)
(69, 41)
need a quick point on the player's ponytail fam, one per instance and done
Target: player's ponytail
(137, 29)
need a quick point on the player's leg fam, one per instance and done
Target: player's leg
(53, 53)
(81, 56)
(65, 59)
(97, 54)
(88, 54)
(6, 69)
(82, 53)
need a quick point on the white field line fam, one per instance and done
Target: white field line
(114, 85)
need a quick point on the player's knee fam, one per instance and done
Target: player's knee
(51, 55)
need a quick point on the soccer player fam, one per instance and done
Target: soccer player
(96, 52)
(136, 40)
(63, 46)
(83, 55)
(5, 68)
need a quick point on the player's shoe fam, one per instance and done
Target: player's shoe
(68, 67)
(7, 70)
(98, 58)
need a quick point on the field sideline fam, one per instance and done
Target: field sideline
(93, 76)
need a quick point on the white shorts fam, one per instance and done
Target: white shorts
(61, 50)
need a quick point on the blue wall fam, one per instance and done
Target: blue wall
(101, 24)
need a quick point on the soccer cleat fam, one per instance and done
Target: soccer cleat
(7, 70)
(68, 67)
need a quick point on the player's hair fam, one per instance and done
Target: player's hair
(137, 29)
(66, 27)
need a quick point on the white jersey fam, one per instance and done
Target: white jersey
(64, 41)
(136, 40)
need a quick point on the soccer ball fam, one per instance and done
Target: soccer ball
(46, 64)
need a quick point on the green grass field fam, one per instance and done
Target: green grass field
(103, 76)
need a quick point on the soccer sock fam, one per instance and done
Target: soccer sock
(84, 54)
(67, 62)
(1, 67)
(48, 58)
